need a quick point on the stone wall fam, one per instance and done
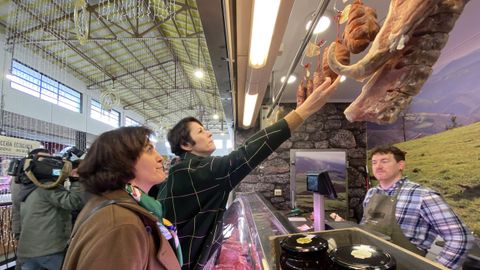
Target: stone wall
(327, 129)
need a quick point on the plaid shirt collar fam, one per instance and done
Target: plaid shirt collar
(391, 190)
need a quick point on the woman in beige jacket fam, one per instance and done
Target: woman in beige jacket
(121, 227)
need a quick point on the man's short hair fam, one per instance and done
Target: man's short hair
(110, 161)
(389, 149)
(180, 135)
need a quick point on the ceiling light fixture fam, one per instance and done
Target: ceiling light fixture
(249, 108)
(264, 17)
(322, 25)
(291, 79)
(199, 73)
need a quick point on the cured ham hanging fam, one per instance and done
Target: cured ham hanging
(400, 58)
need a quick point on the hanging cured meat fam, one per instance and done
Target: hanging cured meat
(343, 56)
(400, 58)
(309, 85)
(361, 28)
(317, 74)
(301, 93)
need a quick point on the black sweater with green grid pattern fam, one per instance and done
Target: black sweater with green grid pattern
(196, 192)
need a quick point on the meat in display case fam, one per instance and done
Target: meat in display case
(248, 225)
(254, 231)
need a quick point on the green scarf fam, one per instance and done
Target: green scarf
(155, 207)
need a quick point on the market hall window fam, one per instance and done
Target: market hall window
(109, 117)
(129, 122)
(32, 82)
(218, 144)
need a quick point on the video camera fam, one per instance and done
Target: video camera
(40, 168)
(72, 154)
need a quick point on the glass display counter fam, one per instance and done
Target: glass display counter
(253, 230)
(337, 238)
(249, 224)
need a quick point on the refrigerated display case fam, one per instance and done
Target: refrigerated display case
(249, 223)
(347, 237)
(253, 231)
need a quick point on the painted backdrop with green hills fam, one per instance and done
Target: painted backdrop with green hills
(449, 162)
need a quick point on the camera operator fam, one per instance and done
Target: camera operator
(45, 210)
(14, 191)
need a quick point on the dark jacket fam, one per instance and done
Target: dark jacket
(46, 220)
(118, 236)
(14, 191)
(197, 190)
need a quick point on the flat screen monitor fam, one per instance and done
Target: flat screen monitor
(321, 183)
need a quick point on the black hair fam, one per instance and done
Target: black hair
(180, 135)
(389, 149)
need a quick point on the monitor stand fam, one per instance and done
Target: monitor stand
(318, 212)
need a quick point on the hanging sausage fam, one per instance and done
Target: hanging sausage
(361, 28)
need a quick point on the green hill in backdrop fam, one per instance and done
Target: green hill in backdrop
(449, 162)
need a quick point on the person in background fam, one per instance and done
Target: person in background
(16, 227)
(44, 221)
(121, 227)
(412, 215)
(74, 177)
(198, 185)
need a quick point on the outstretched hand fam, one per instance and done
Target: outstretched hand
(318, 98)
(336, 217)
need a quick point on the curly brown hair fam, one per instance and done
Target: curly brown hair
(110, 161)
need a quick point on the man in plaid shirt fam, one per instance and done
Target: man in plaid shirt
(412, 215)
(198, 185)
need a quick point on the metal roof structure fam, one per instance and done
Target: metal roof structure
(140, 55)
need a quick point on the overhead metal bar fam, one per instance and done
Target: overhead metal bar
(134, 77)
(57, 35)
(107, 39)
(94, 10)
(185, 46)
(172, 112)
(144, 69)
(134, 30)
(128, 73)
(171, 50)
(105, 51)
(158, 61)
(164, 114)
(318, 13)
(201, 50)
(132, 54)
(44, 25)
(166, 93)
(113, 58)
(158, 23)
(141, 64)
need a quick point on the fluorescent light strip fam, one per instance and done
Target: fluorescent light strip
(248, 108)
(264, 17)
